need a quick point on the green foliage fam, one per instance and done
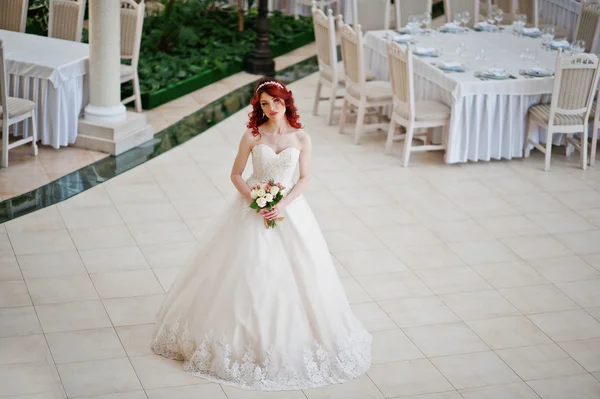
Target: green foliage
(37, 16)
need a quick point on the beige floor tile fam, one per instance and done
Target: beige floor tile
(19, 321)
(46, 291)
(145, 213)
(384, 287)
(93, 197)
(188, 392)
(410, 235)
(510, 274)
(540, 361)
(440, 395)
(169, 255)
(581, 243)
(585, 293)
(569, 325)
(479, 305)
(383, 215)
(592, 259)
(445, 339)
(370, 262)
(85, 345)
(133, 311)
(90, 218)
(411, 377)
(536, 202)
(579, 199)
(359, 388)
(577, 386)
(352, 240)
(354, 291)
(44, 219)
(136, 339)
(490, 207)
(29, 379)
(98, 377)
(459, 231)
(536, 247)
(122, 395)
(510, 226)
(372, 316)
(431, 257)
(560, 222)
(13, 293)
(412, 312)
(73, 316)
(517, 390)
(586, 352)
(55, 264)
(538, 299)
(393, 346)
(475, 370)
(102, 238)
(129, 283)
(157, 372)
(161, 233)
(452, 280)
(136, 193)
(9, 268)
(337, 219)
(565, 269)
(481, 252)
(24, 349)
(40, 242)
(114, 259)
(6, 248)
(508, 332)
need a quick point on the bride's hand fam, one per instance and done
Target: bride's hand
(273, 213)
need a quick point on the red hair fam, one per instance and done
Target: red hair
(276, 89)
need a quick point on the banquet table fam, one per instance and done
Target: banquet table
(561, 13)
(488, 116)
(52, 73)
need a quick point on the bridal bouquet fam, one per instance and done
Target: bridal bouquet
(267, 195)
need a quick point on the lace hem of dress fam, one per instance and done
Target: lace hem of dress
(212, 360)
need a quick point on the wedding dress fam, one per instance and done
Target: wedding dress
(261, 308)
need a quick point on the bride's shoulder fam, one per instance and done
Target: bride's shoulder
(303, 137)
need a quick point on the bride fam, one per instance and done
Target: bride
(262, 308)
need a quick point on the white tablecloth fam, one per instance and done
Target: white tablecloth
(488, 117)
(561, 13)
(52, 73)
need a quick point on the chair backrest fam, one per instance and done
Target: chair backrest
(326, 45)
(352, 55)
(576, 78)
(3, 85)
(508, 6)
(531, 8)
(372, 14)
(406, 8)
(401, 76)
(13, 15)
(65, 20)
(452, 7)
(588, 22)
(484, 7)
(132, 22)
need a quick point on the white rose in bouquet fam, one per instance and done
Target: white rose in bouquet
(254, 194)
(274, 190)
(261, 192)
(263, 186)
(262, 202)
(269, 197)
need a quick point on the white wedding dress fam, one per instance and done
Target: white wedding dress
(261, 308)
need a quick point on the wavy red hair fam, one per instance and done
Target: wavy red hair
(257, 116)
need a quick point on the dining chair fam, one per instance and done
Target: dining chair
(14, 110)
(360, 93)
(531, 9)
(588, 21)
(408, 113)
(405, 8)
(373, 14)
(321, 4)
(452, 7)
(575, 83)
(65, 19)
(132, 22)
(13, 15)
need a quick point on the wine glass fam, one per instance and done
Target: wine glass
(457, 18)
(427, 19)
(465, 18)
(578, 47)
(498, 16)
(461, 49)
(547, 36)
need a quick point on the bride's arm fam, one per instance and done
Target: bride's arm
(241, 159)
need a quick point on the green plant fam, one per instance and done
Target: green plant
(37, 16)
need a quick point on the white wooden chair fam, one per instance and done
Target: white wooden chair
(588, 24)
(13, 15)
(132, 22)
(360, 93)
(14, 110)
(329, 73)
(373, 14)
(321, 4)
(405, 8)
(408, 113)
(65, 20)
(575, 83)
(452, 7)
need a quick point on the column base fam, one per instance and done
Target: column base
(114, 138)
(93, 113)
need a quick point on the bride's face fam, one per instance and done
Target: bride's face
(273, 107)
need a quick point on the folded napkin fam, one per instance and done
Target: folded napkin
(496, 72)
(530, 31)
(450, 65)
(451, 26)
(484, 25)
(424, 50)
(539, 71)
(402, 38)
(559, 43)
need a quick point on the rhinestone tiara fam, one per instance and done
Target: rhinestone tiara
(270, 82)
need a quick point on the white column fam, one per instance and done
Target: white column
(105, 63)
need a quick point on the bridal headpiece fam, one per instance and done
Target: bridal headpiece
(270, 82)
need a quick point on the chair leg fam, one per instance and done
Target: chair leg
(360, 121)
(345, 107)
(136, 92)
(548, 151)
(34, 133)
(4, 159)
(530, 127)
(317, 98)
(594, 144)
(390, 137)
(407, 144)
(332, 104)
(584, 147)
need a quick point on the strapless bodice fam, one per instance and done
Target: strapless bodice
(267, 165)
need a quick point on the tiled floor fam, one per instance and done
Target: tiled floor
(477, 281)
(26, 172)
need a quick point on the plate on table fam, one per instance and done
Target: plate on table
(559, 45)
(425, 52)
(451, 27)
(485, 27)
(498, 74)
(402, 38)
(537, 72)
(450, 66)
(531, 32)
